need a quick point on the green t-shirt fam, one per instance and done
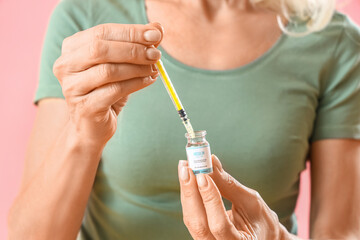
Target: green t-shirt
(260, 120)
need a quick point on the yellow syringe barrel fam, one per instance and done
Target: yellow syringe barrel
(169, 86)
(175, 99)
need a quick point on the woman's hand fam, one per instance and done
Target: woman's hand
(205, 215)
(100, 67)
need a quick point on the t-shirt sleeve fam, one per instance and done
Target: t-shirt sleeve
(338, 112)
(68, 17)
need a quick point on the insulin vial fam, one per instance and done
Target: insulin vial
(198, 153)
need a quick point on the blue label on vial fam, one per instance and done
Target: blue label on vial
(199, 159)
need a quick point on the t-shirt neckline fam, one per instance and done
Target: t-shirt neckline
(238, 70)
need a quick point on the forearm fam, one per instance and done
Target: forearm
(336, 233)
(53, 203)
(321, 235)
(335, 184)
(337, 217)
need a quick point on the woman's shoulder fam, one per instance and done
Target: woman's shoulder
(347, 31)
(337, 42)
(88, 3)
(343, 69)
(94, 12)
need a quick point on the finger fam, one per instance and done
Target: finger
(247, 203)
(230, 214)
(148, 35)
(161, 29)
(242, 221)
(194, 214)
(118, 106)
(104, 97)
(231, 189)
(101, 51)
(219, 221)
(102, 74)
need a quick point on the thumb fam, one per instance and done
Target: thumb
(228, 186)
(161, 29)
(118, 106)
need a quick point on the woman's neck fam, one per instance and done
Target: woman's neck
(237, 35)
(214, 10)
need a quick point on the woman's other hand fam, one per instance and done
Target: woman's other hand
(98, 69)
(204, 213)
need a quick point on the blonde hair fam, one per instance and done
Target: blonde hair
(316, 14)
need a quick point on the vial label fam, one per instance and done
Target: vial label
(199, 159)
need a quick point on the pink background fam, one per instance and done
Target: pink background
(22, 27)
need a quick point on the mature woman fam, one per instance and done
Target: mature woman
(105, 163)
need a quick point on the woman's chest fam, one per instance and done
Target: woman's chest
(257, 125)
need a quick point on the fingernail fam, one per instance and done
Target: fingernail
(184, 174)
(152, 53)
(152, 35)
(153, 68)
(148, 80)
(201, 180)
(183, 163)
(154, 77)
(158, 25)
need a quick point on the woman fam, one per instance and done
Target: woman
(105, 163)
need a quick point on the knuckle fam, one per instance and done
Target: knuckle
(188, 193)
(97, 49)
(133, 51)
(200, 232)
(68, 88)
(257, 198)
(219, 229)
(255, 194)
(99, 31)
(131, 34)
(81, 105)
(210, 198)
(116, 88)
(274, 216)
(257, 202)
(273, 229)
(59, 68)
(231, 180)
(197, 228)
(105, 71)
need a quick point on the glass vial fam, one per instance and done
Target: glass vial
(198, 153)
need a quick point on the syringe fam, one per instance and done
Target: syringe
(175, 98)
